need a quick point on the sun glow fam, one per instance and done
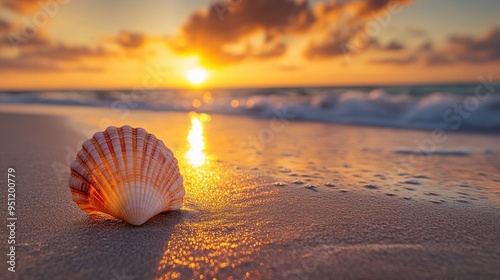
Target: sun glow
(197, 76)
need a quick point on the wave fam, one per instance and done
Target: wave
(423, 151)
(375, 107)
(443, 152)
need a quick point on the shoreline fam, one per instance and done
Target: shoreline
(59, 110)
(236, 216)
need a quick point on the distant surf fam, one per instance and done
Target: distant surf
(450, 107)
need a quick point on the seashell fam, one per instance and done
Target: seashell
(126, 173)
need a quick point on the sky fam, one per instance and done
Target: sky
(95, 44)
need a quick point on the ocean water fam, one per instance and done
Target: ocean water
(460, 107)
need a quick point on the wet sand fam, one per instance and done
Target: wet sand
(276, 216)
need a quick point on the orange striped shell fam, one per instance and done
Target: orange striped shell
(126, 173)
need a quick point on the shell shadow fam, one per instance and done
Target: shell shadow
(106, 248)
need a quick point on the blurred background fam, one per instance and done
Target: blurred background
(396, 63)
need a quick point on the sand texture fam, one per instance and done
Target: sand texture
(270, 218)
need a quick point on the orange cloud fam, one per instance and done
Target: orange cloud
(130, 40)
(5, 26)
(61, 52)
(55, 57)
(21, 6)
(397, 60)
(458, 49)
(346, 27)
(225, 34)
(333, 45)
(372, 8)
(219, 40)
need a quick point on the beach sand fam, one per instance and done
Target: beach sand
(264, 199)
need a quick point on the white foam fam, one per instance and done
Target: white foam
(348, 106)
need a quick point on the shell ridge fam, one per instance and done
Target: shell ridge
(91, 181)
(173, 182)
(152, 143)
(111, 182)
(123, 153)
(78, 189)
(158, 159)
(173, 196)
(157, 165)
(168, 159)
(141, 185)
(176, 187)
(151, 163)
(118, 158)
(145, 166)
(98, 178)
(170, 181)
(106, 176)
(76, 169)
(78, 182)
(163, 180)
(116, 165)
(163, 158)
(174, 205)
(151, 148)
(133, 156)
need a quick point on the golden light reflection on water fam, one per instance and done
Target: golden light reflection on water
(212, 240)
(196, 155)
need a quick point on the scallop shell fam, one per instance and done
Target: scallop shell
(126, 173)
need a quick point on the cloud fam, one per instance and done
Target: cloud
(223, 35)
(13, 40)
(40, 53)
(352, 35)
(371, 8)
(476, 50)
(21, 6)
(468, 49)
(61, 52)
(28, 65)
(56, 57)
(437, 59)
(328, 10)
(348, 45)
(130, 40)
(394, 46)
(272, 51)
(397, 61)
(288, 68)
(13, 65)
(336, 44)
(416, 31)
(426, 46)
(458, 49)
(16, 36)
(5, 26)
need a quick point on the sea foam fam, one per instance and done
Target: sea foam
(457, 108)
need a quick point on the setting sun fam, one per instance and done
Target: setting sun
(196, 76)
